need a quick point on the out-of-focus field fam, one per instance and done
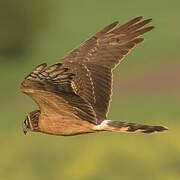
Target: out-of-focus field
(146, 90)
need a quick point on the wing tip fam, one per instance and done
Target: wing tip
(43, 64)
(150, 28)
(149, 20)
(106, 29)
(39, 68)
(135, 20)
(115, 23)
(139, 18)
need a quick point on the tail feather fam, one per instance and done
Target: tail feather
(108, 125)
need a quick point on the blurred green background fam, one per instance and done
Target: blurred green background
(146, 90)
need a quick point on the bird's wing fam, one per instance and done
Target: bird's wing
(51, 88)
(99, 55)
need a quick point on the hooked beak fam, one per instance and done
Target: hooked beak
(25, 131)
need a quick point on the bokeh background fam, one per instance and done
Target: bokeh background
(146, 90)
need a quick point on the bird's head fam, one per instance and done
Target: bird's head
(31, 122)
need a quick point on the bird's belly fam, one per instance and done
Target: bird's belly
(64, 126)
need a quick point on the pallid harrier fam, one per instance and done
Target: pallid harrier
(73, 95)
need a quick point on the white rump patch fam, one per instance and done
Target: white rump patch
(103, 125)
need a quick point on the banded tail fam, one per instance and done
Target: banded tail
(116, 126)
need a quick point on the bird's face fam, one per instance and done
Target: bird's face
(31, 122)
(26, 124)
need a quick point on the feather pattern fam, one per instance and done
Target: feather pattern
(82, 82)
(48, 84)
(100, 55)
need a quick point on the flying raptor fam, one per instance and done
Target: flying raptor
(73, 95)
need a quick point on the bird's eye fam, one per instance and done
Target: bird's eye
(25, 122)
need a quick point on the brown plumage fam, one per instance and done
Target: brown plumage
(74, 94)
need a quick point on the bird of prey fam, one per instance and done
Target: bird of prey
(73, 95)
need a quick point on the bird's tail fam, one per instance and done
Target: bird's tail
(109, 125)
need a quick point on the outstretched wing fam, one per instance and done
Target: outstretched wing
(52, 90)
(98, 56)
